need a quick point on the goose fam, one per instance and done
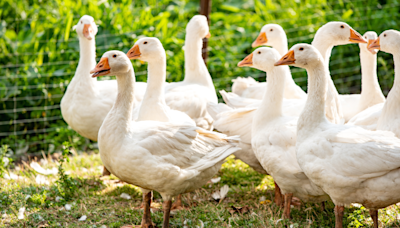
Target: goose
(274, 134)
(161, 156)
(87, 101)
(272, 35)
(372, 99)
(389, 41)
(350, 164)
(371, 93)
(197, 89)
(329, 35)
(151, 50)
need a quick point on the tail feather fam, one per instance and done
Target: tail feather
(240, 84)
(215, 109)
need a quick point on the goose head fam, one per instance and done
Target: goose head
(86, 27)
(262, 58)
(339, 33)
(301, 55)
(146, 49)
(370, 36)
(388, 41)
(198, 26)
(112, 63)
(271, 35)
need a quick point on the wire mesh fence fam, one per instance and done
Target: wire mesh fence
(40, 52)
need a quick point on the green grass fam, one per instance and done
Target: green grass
(99, 199)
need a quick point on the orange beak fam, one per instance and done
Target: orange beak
(88, 31)
(375, 44)
(102, 68)
(208, 35)
(261, 40)
(355, 37)
(134, 52)
(372, 50)
(248, 61)
(286, 59)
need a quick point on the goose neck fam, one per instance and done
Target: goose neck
(282, 46)
(87, 61)
(271, 105)
(195, 69)
(125, 100)
(314, 110)
(153, 104)
(396, 59)
(324, 47)
(369, 79)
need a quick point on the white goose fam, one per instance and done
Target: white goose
(272, 35)
(274, 134)
(371, 93)
(389, 41)
(351, 164)
(197, 89)
(165, 157)
(87, 101)
(329, 35)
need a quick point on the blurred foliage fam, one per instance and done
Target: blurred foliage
(39, 51)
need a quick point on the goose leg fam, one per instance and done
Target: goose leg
(177, 205)
(105, 172)
(146, 219)
(279, 198)
(288, 203)
(322, 206)
(167, 209)
(339, 212)
(374, 216)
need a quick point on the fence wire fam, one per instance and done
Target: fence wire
(33, 83)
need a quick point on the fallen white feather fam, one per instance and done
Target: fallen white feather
(221, 194)
(276, 223)
(216, 180)
(83, 218)
(21, 212)
(125, 196)
(40, 170)
(27, 197)
(40, 179)
(68, 207)
(59, 198)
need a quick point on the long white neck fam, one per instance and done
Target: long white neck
(281, 45)
(324, 47)
(396, 58)
(195, 69)
(370, 89)
(271, 105)
(87, 61)
(314, 110)
(334, 109)
(153, 104)
(120, 114)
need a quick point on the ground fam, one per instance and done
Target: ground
(249, 202)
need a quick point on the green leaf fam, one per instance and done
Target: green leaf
(68, 28)
(347, 14)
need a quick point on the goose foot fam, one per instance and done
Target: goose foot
(177, 205)
(374, 216)
(339, 212)
(105, 172)
(167, 209)
(279, 198)
(288, 202)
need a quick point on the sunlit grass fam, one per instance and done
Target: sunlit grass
(99, 199)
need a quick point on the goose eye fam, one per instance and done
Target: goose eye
(384, 35)
(342, 26)
(301, 49)
(145, 42)
(81, 22)
(259, 52)
(271, 30)
(114, 56)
